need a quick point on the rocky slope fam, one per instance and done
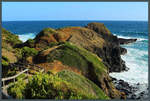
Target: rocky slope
(9, 41)
(10, 54)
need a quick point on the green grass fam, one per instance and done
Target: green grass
(74, 56)
(83, 84)
(68, 57)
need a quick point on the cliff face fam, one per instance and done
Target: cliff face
(111, 53)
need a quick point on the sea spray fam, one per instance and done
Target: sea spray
(26, 36)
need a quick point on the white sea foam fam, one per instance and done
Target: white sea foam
(138, 67)
(127, 37)
(25, 37)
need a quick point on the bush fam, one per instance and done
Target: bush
(45, 86)
(26, 52)
(10, 38)
(17, 90)
(18, 53)
(53, 44)
(22, 76)
(30, 43)
(46, 32)
(5, 58)
(5, 61)
(48, 86)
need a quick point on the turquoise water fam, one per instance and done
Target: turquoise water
(136, 58)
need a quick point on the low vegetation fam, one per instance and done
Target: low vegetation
(60, 86)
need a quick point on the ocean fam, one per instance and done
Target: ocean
(137, 53)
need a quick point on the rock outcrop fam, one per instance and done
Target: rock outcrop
(126, 41)
(111, 53)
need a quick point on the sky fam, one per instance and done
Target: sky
(22, 11)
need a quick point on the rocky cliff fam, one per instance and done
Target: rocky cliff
(96, 39)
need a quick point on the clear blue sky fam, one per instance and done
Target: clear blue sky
(13, 11)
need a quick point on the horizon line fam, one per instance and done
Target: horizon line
(72, 20)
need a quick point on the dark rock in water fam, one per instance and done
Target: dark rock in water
(126, 41)
(123, 51)
(131, 91)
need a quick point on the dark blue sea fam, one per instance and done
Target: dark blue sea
(136, 58)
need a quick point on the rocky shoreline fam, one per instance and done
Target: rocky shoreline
(89, 53)
(131, 91)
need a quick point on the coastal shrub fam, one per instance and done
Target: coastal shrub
(26, 52)
(53, 44)
(5, 58)
(10, 38)
(46, 32)
(42, 86)
(22, 76)
(11, 71)
(30, 43)
(5, 61)
(50, 72)
(49, 30)
(18, 53)
(59, 86)
(17, 89)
